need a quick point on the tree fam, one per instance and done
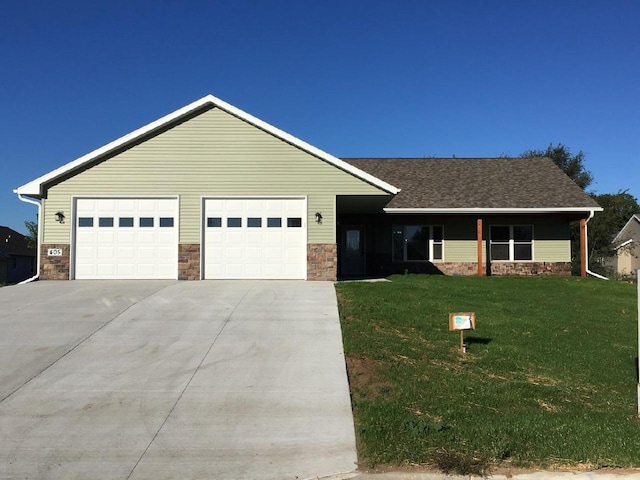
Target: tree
(32, 236)
(572, 165)
(618, 209)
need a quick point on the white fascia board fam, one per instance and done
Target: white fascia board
(494, 210)
(624, 244)
(33, 188)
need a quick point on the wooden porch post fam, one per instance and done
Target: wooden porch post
(479, 233)
(583, 247)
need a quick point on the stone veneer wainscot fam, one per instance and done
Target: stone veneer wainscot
(54, 268)
(562, 269)
(189, 261)
(322, 262)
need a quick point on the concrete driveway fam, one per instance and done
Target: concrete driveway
(164, 379)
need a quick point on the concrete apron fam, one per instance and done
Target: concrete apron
(197, 380)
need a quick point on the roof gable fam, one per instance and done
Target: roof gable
(34, 188)
(472, 184)
(630, 231)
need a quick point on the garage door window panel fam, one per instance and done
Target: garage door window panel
(85, 222)
(273, 222)
(146, 222)
(254, 222)
(214, 222)
(294, 222)
(234, 222)
(105, 222)
(166, 222)
(125, 222)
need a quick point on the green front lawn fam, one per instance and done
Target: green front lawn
(549, 378)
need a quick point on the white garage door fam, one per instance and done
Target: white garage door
(126, 238)
(255, 238)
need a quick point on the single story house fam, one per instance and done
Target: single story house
(627, 246)
(17, 259)
(212, 192)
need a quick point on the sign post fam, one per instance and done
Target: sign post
(462, 321)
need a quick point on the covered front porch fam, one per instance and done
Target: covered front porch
(372, 242)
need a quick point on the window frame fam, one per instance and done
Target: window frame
(166, 222)
(126, 222)
(85, 222)
(432, 242)
(512, 242)
(254, 222)
(234, 222)
(106, 222)
(146, 222)
(274, 222)
(214, 222)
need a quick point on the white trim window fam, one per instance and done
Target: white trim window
(511, 243)
(418, 243)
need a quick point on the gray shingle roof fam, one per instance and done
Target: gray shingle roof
(476, 182)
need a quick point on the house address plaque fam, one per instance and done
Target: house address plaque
(54, 252)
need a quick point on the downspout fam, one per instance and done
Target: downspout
(586, 247)
(39, 205)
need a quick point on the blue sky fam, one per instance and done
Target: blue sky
(354, 78)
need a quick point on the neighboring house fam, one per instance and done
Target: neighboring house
(17, 260)
(627, 245)
(211, 192)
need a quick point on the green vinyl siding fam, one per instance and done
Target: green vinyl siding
(551, 240)
(552, 250)
(551, 237)
(460, 243)
(463, 251)
(211, 154)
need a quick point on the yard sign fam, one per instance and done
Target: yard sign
(462, 321)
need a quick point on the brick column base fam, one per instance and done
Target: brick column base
(189, 261)
(54, 268)
(322, 261)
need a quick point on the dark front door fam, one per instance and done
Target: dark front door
(352, 252)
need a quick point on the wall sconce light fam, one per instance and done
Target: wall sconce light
(60, 217)
(319, 218)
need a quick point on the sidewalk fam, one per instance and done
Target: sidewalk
(542, 475)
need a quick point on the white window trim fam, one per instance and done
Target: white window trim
(512, 244)
(432, 242)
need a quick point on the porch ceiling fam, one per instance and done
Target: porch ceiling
(363, 204)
